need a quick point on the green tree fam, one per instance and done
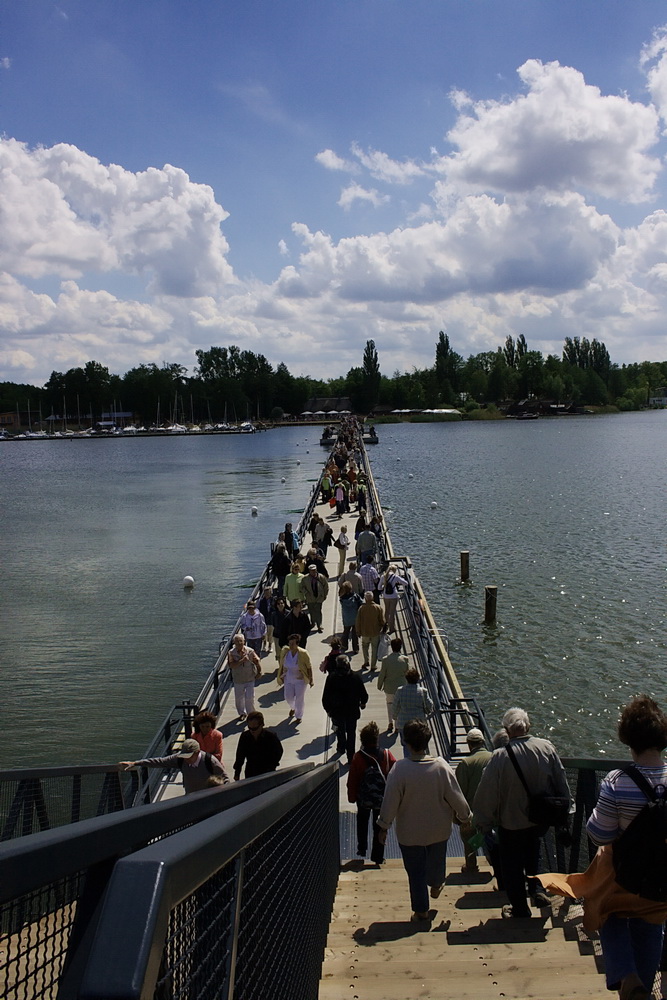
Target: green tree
(371, 376)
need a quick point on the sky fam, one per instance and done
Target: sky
(297, 177)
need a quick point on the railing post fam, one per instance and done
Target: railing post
(233, 951)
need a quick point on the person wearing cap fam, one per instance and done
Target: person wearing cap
(314, 589)
(196, 766)
(469, 774)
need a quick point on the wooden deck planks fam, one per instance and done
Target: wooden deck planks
(374, 951)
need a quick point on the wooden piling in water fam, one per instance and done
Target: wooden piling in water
(465, 567)
(490, 597)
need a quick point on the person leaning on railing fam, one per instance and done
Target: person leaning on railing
(199, 769)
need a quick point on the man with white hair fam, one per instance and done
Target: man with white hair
(501, 801)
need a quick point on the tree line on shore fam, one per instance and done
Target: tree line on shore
(235, 384)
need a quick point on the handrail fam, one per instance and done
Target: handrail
(31, 861)
(145, 888)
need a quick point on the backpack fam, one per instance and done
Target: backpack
(640, 853)
(373, 781)
(389, 586)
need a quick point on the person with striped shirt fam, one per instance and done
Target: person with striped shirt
(632, 937)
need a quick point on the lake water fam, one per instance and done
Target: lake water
(98, 638)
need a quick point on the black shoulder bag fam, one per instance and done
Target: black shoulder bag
(543, 810)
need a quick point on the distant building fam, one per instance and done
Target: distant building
(660, 398)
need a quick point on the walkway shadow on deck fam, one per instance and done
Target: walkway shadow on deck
(271, 698)
(499, 931)
(316, 747)
(381, 931)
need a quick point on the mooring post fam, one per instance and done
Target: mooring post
(465, 567)
(490, 596)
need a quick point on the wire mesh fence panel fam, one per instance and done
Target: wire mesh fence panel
(288, 889)
(197, 953)
(34, 937)
(34, 804)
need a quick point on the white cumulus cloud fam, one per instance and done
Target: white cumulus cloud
(562, 134)
(64, 214)
(355, 192)
(332, 161)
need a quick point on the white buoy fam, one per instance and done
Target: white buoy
(253, 511)
(188, 582)
(398, 459)
(307, 451)
(283, 480)
(298, 462)
(433, 505)
(410, 476)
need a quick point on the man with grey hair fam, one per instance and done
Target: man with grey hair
(501, 801)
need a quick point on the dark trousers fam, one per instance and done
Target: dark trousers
(377, 849)
(349, 631)
(346, 731)
(519, 858)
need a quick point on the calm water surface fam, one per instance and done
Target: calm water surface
(566, 518)
(98, 637)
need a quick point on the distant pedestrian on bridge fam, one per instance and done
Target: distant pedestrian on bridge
(411, 701)
(343, 698)
(298, 621)
(253, 626)
(388, 587)
(423, 797)
(353, 577)
(259, 748)
(281, 565)
(245, 666)
(292, 584)
(314, 589)
(196, 767)
(393, 669)
(342, 543)
(296, 674)
(369, 625)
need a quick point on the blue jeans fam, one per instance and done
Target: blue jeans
(630, 944)
(425, 866)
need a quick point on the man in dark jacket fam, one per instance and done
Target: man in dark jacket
(258, 747)
(343, 698)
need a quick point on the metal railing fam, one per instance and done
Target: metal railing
(236, 907)
(52, 883)
(37, 799)
(584, 778)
